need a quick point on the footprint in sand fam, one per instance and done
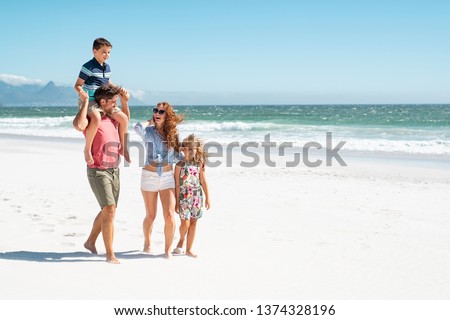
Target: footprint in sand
(136, 235)
(48, 230)
(74, 235)
(68, 244)
(43, 224)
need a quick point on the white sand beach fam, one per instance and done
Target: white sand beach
(376, 229)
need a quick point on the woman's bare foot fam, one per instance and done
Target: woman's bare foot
(112, 260)
(191, 254)
(88, 156)
(146, 248)
(90, 247)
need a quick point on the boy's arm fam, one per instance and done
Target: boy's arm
(205, 186)
(83, 95)
(177, 187)
(81, 122)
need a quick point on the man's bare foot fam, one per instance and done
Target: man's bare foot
(90, 247)
(146, 248)
(88, 156)
(112, 260)
(191, 254)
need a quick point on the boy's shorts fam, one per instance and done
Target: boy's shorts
(105, 184)
(93, 106)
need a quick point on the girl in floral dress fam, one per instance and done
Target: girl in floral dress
(191, 189)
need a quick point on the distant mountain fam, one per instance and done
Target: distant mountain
(36, 94)
(40, 95)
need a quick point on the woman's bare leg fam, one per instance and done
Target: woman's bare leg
(150, 201)
(168, 206)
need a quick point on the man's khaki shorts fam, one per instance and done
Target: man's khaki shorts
(105, 183)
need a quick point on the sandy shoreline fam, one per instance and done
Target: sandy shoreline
(376, 229)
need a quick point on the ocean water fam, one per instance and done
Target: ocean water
(411, 129)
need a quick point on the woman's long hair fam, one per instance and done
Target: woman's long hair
(170, 131)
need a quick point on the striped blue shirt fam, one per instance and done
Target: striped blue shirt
(94, 76)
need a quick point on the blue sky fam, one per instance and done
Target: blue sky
(240, 51)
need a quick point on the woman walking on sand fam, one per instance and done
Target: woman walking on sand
(160, 136)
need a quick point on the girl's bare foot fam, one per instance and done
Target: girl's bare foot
(191, 254)
(146, 248)
(178, 251)
(112, 260)
(167, 255)
(88, 156)
(90, 247)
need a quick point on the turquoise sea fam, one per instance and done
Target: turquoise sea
(412, 129)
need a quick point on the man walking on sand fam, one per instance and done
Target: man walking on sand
(103, 173)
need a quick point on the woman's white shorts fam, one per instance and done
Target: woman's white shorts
(151, 181)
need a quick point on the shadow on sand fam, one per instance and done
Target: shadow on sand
(72, 256)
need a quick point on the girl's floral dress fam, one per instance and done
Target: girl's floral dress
(191, 194)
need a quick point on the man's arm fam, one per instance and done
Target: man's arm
(124, 97)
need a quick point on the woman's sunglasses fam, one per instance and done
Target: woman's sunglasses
(159, 111)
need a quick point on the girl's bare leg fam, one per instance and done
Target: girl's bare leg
(183, 231)
(191, 237)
